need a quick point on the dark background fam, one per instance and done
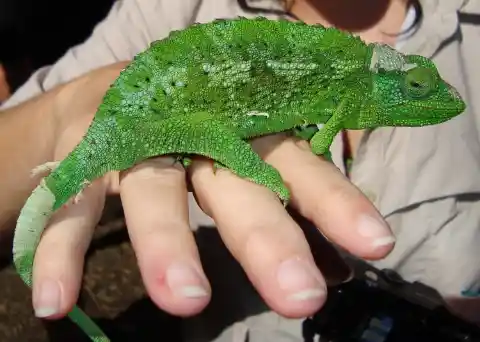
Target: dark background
(34, 33)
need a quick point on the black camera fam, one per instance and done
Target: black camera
(379, 306)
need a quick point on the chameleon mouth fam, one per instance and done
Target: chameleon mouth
(454, 103)
(439, 114)
(446, 110)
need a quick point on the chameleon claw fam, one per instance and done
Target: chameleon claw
(79, 196)
(177, 159)
(68, 203)
(43, 168)
(284, 196)
(216, 166)
(185, 161)
(74, 200)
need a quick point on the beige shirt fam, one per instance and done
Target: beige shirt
(425, 181)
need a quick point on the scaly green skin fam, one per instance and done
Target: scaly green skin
(207, 89)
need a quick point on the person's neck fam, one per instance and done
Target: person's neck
(372, 20)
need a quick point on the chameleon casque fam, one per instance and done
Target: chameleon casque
(207, 89)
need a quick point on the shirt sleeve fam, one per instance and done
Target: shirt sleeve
(437, 244)
(129, 28)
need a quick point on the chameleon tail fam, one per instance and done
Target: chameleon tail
(34, 217)
(31, 223)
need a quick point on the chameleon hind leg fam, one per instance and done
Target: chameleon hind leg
(44, 168)
(51, 166)
(201, 134)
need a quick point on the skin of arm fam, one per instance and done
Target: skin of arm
(27, 132)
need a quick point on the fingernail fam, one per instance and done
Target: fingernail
(370, 227)
(47, 303)
(301, 280)
(185, 281)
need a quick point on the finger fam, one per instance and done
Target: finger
(328, 259)
(154, 198)
(59, 260)
(264, 239)
(321, 193)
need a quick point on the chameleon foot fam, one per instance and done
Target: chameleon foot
(44, 168)
(79, 196)
(186, 162)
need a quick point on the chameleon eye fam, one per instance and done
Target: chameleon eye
(419, 82)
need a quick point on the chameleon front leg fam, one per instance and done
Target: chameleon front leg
(322, 140)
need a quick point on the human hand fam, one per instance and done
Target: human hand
(252, 222)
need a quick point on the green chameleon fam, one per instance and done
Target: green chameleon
(208, 89)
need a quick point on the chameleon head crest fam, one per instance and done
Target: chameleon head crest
(386, 58)
(407, 90)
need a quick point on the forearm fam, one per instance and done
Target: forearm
(27, 132)
(31, 133)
